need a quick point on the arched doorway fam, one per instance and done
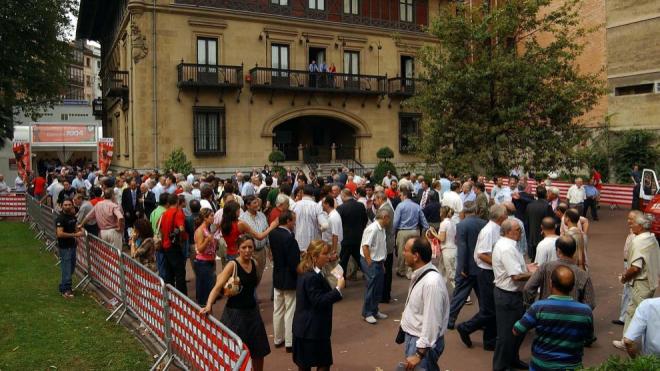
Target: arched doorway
(316, 134)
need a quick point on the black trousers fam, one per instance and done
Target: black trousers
(590, 203)
(464, 285)
(175, 273)
(485, 318)
(508, 309)
(348, 250)
(387, 286)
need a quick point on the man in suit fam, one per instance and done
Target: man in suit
(382, 203)
(149, 201)
(467, 232)
(353, 221)
(286, 256)
(425, 194)
(131, 206)
(534, 214)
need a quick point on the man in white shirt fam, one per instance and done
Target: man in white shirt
(576, 195)
(510, 273)
(453, 200)
(425, 316)
(54, 190)
(333, 236)
(546, 250)
(310, 220)
(373, 252)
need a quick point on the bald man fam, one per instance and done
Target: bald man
(563, 326)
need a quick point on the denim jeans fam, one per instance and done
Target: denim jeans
(430, 360)
(68, 265)
(375, 280)
(204, 280)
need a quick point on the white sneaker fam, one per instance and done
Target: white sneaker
(371, 320)
(619, 344)
(380, 315)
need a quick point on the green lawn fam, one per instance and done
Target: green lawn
(41, 330)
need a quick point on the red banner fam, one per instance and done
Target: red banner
(22, 154)
(63, 133)
(105, 152)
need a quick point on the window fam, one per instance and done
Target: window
(409, 131)
(207, 51)
(317, 4)
(88, 80)
(280, 2)
(352, 63)
(98, 64)
(634, 89)
(209, 131)
(279, 60)
(406, 10)
(351, 6)
(88, 61)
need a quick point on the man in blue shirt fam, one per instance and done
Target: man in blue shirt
(408, 217)
(591, 201)
(445, 185)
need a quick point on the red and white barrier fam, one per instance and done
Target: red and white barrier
(201, 341)
(13, 205)
(104, 267)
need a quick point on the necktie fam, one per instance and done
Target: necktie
(134, 200)
(425, 197)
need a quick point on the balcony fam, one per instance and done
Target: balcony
(404, 87)
(192, 75)
(115, 84)
(262, 78)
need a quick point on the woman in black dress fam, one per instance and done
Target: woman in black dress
(312, 321)
(241, 314)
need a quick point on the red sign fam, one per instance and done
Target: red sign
(104, 154)
(22, 154)
(63, 133)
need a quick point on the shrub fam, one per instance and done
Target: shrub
(385, 153)
(279, 169)
(381, 169)
(614, 363)
(178, 162)
(276, 156)
(634, 147)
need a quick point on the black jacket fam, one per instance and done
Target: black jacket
(534, 214)
(286, 256)
(314, 300)
(130, 212)
(150, 203)
(353, 221)
(467, 232)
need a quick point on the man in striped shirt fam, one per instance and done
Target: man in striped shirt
(562, 325)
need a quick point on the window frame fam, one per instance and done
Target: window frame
(222, 131)
(279, 2)
(206, 49)
(316, 5)
(352, 5)
(416, 118)
(409, 15)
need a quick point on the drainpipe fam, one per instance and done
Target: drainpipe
(131, 93)
(154, 101)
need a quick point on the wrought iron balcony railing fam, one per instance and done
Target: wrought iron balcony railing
(404, 86)
(192, 75)
(296, 80)
(115, 84)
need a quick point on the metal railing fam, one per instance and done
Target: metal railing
(326, 82)
(404, 86)
(115, 83)
(209, 75)
(191, 340)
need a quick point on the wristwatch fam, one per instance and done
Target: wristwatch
(420, 354)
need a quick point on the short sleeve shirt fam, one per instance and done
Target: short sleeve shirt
(334, 228)
(645, 326)
(68, 224)
(507, 262)
(374, 236)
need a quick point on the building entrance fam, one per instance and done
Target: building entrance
(316, 134)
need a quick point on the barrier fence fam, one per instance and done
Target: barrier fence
(191, 340)
(13, 205)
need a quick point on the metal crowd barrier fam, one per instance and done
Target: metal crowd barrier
(191, 340)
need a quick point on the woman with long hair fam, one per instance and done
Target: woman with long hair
(142, 244)
(312, 321)
(231, 228)
(447, 236)
(241, 312)
(205, 249)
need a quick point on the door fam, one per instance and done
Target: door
(317, 56)
(351, 67)
(649, 186)
(207, 60)
(407, 74)
(279, 62)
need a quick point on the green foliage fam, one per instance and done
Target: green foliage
(276, 156)
(385, 153)
(34, 57)
(279, 169)
(497, 95)
(614, 363)
(178, 162)
(635, 147)
(381, 169)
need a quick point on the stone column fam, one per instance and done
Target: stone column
(357, 153)
(301, 153)
(333, 152)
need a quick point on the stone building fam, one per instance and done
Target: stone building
(228, 81)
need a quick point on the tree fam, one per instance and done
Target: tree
(499, 96)
(34, 57)
(384, 165)
(178, 162)
(634, 147)
(385, 153)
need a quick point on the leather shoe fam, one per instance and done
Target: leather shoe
(278, 345)
(465, 337)
(617, 322)
(289, 349)
(451, 324)
(490, 348)
(520, 365)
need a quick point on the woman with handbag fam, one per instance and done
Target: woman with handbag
(205, 248)
(238, 281)
(447, 237)
(312, 321)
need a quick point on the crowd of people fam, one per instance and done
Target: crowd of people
(522, 252)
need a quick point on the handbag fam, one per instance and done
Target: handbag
(436, 246)
(233, 286)
(158, 243)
